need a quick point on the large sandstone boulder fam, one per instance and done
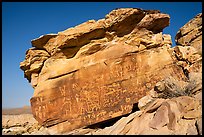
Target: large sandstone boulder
(189, 45)
(97, 70)
(191, 33)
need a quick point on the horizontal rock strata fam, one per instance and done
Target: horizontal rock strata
(97, 70)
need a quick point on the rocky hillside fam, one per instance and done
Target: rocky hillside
(120, 69)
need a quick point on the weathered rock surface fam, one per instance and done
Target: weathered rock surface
(161, 117)
(189, 49)
(19, 124)
(191, 33)
(158, 114)
(12, 120)
(97, 71)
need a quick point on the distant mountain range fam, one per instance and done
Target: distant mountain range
(16, 111)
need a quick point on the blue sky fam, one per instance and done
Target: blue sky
(24, 21)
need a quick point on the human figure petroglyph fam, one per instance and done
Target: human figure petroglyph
(62, 90)
(66, 108)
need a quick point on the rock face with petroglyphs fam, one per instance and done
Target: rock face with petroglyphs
(97, 70)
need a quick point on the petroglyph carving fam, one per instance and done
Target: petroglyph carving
(63, 90)
(89, 79)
